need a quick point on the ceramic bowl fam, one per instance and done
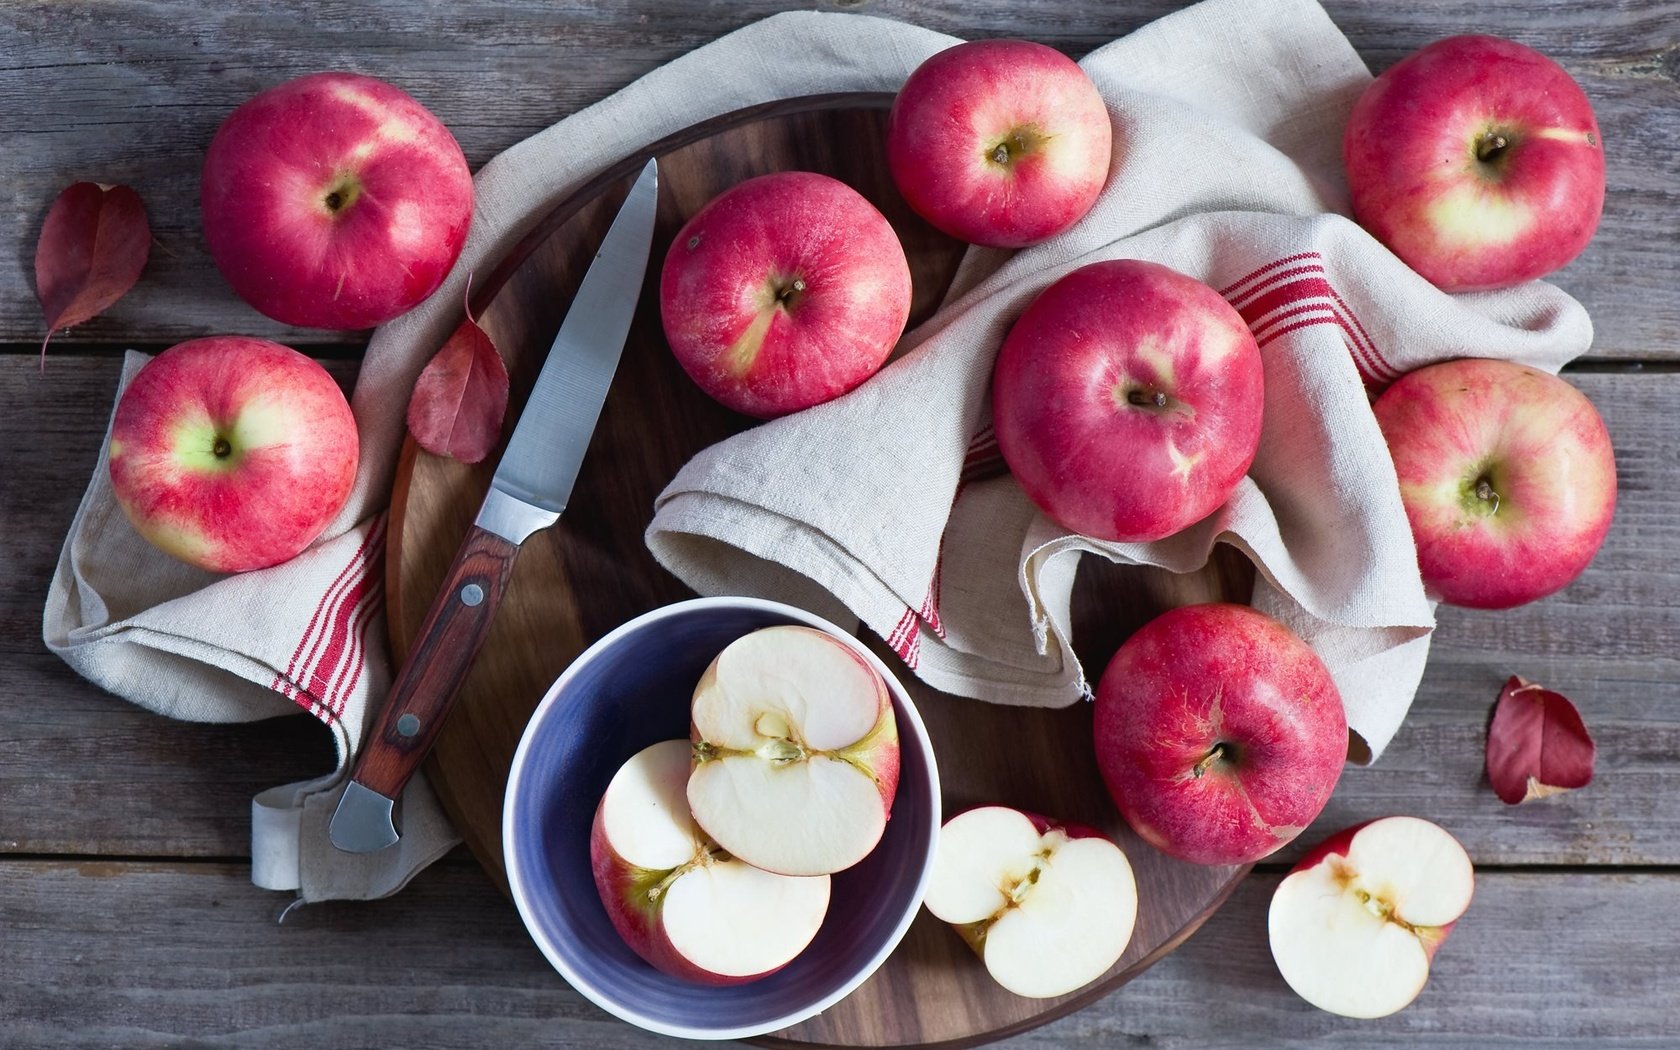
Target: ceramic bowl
(631, 689)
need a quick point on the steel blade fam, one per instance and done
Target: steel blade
(534, 479)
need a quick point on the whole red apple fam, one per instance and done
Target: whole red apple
(1219, 733)
(783, 292)
(335, 201)
(999, 142)
(1127, 400)
(1478, 162)
(232, 453)
(1507, 476)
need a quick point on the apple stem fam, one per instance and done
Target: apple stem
(221, 449)
(1145, 399)
(1001, 154)
(1485, 493)
(1208, 761)
(1489, 145)
(788, 294)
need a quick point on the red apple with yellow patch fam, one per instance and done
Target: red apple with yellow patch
(1507, 476)
(999, 142)
(335, 201)
(232, 453)
(783, 292)
(1478, 162)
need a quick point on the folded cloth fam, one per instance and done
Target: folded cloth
(1228, 121)
(311, 632)
(1227, 118)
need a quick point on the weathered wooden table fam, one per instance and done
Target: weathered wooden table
(127, 917)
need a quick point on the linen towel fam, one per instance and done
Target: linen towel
(1227, 119)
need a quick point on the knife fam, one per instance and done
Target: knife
(529, 491)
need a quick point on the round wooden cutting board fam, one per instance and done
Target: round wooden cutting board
(591, 572)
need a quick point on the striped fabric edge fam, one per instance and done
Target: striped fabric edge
(327, 663)
(1295, 292)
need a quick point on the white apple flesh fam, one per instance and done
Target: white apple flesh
(1049, 908)
(1353, 927)
(678, 900)
(795, 752)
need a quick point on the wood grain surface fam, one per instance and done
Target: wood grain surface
(126, 914)
(143, 86)
(591, 572)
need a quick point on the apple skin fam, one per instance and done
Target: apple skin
(1001, 143)
(286, 470)
(1219, 733)
(1429, 179)
(1545, 455)
(1127, 400)
(335, 201)
(784, 291)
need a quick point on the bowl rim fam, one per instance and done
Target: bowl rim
(600, 996)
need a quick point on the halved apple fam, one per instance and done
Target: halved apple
(677, 899)
(1354, 926)
(795, 752)
(1048, 907)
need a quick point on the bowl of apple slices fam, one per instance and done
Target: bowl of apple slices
(721, 818)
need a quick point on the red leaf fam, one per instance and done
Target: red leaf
(1537, 744)
(93, 246)
(462, 394)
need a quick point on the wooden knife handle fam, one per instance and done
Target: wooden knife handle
(450, 638)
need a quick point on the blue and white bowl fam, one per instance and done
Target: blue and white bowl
(631, 689)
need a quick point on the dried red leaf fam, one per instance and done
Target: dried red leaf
(1537, 744)
(458, 403)
(93, 246)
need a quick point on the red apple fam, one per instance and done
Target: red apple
(796, 752)
(1507, 477)
(1127, 400)
(1048, 906)
(679, 901)
(335, 201)
(1219, 733)
(999, 142)
(1478, 162)
(783, 292)
(232, 453)
(1355, 924)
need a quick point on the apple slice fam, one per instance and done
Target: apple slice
(795, 752)
(1354, 925)
(678, 900)
(1048, 907)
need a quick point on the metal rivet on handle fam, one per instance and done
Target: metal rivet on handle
(408, 724)
(472, 594)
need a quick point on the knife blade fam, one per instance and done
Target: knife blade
(529, 492)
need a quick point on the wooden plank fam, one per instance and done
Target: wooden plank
(52, 422)
(133, 93)
(153, 955)
(76, 757)
(86, 773)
